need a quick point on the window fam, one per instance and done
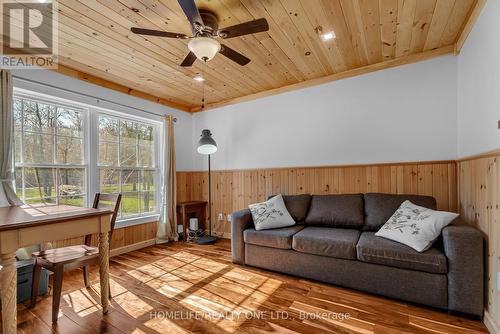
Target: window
(49, 153)
(127, 164)
(67, 151)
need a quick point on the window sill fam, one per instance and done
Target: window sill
(137, 221)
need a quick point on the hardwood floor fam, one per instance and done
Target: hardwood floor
(157, 289)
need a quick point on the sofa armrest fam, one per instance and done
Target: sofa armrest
(464, 249)
(241, 220)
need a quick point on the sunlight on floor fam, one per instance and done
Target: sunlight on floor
(81, 302)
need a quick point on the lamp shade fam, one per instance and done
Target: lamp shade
(204, 48)
(207, 144)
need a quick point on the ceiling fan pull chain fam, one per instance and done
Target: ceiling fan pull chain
(203, 84)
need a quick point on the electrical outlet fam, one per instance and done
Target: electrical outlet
(229, 218)
(220, 217)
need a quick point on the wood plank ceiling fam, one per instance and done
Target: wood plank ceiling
(95, 38)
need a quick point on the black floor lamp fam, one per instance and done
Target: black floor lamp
(207, 146)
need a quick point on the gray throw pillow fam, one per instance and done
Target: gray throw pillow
(271, 214)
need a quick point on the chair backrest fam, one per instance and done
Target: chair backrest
(111, 201)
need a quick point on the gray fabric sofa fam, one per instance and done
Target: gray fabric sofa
(334, 241)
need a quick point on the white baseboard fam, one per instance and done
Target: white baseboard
(132, 247)
(490, 323)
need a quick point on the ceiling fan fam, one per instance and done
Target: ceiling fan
(205, 28)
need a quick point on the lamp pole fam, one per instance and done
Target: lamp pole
(207, 146)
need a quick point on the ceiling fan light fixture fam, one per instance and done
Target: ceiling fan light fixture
(204, 48)
(198, 78)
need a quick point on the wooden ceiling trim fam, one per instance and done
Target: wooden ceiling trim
(117, 87)
(446, 50)
(474, 15)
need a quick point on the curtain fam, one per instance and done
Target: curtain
(167, 226)
(7, 139)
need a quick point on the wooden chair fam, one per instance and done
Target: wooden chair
(63, 259)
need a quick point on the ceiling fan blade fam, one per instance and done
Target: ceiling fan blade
(192, 13)
(159, 33)
(234, 55)
(189, 60)
(250, 27)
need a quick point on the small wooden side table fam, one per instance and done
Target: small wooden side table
(192, 209)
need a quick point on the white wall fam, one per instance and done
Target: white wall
(402, 114)
(479, 85)
(51, 82)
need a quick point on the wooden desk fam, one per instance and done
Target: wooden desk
(193, 209)
(36, 224)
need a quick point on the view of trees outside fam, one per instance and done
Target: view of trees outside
(126, 163)
(45, 135)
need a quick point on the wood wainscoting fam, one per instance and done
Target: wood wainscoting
(479, 203)
(124, 239)
(234, 190)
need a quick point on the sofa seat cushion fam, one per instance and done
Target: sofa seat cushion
(333, 242)
(380, 207)
(343, 211)
(275, 238)
(377, 250)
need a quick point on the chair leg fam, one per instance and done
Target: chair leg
(109, 289)
(35, 283)
(56, 295)
(86, 279)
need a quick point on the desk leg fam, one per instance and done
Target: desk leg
(8, 287)
(104, 270)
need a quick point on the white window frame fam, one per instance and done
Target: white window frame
(93, 108)
(57, 166)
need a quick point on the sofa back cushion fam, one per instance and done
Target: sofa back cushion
(380, 207)
(297, 206)
(344, 211)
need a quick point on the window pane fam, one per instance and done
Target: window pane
(128, 155)
(147, 180)
(147, 201)
(145, 133)
(108, 128)
(129, 132)
(72, 200)
(146, 156)
(38, 148)
(71, 181)
(108, 154)
(39, 117)
(69, 122)
(130, 180)
(109, 181)
(130, 204)
(19, 182)
(39, 184)
(69, 150)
